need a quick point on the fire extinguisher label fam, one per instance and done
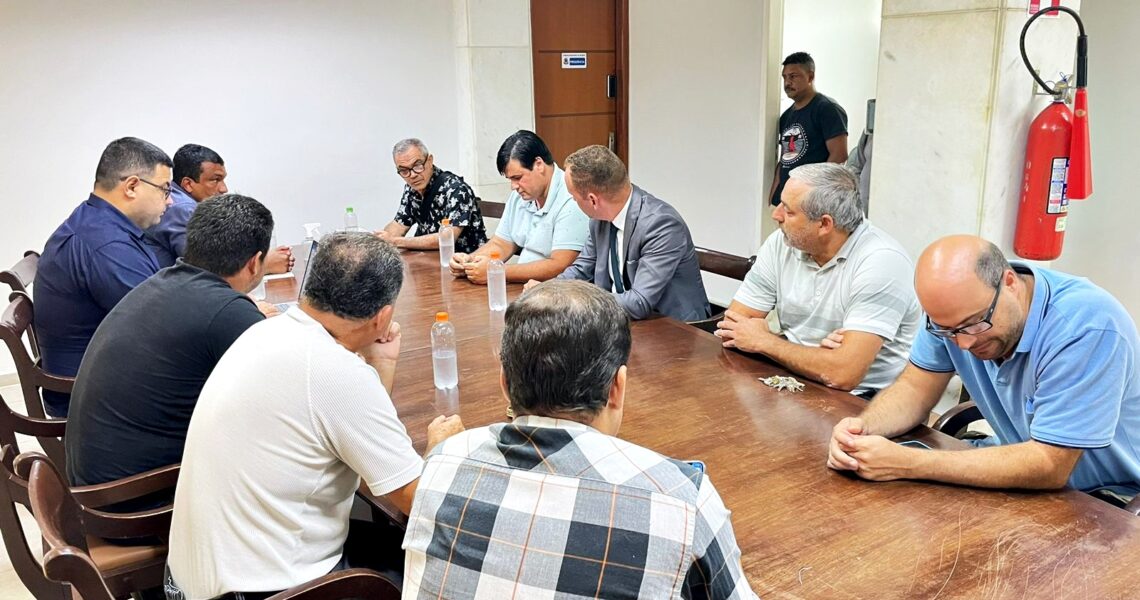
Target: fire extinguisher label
(1060, 225)
(1058, 189)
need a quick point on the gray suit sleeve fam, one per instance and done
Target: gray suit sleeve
(583, 267)
(664, 248)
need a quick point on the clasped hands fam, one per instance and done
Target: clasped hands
(473, 267)
(872, 457)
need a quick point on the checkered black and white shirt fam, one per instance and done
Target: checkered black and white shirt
(546, 508)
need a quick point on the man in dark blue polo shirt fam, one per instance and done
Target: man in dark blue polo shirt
(148, 361)
(98, 255)
(199, 173)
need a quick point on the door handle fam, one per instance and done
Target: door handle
(613, 142)
(611, 86)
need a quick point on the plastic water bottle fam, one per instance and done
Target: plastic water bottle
(496, 283)
(350, 221)
(443, 360)
(446, 242)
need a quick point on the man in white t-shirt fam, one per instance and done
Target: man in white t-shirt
(290, 421)
(842, 288)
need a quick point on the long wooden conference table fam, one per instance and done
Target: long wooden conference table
(805, 531)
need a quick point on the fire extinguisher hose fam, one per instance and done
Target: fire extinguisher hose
(1082, 48)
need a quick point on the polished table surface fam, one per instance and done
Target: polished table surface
(805, 531)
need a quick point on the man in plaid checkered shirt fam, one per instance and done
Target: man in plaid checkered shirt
(553, 505)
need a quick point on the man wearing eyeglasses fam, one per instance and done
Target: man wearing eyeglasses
(430, 196)
(1050, 360)
(98, 255)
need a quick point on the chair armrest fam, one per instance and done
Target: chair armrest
(1133, 506)
(955, 421)
(350, 583)
(708, 324)
(154, 522)
(127, 488)
(382, 507)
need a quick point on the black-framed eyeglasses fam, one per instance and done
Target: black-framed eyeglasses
(417, 168)
(165, 188)
(975, 328)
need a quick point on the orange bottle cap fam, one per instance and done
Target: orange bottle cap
(440, 317)
(445, 222)
(495, 255)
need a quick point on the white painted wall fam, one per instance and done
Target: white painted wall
(696, 118)
(303, 100)
(843, 38)
(1101, 239)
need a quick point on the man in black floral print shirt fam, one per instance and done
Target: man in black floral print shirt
(447, 196)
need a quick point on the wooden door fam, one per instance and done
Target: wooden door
(580, 51)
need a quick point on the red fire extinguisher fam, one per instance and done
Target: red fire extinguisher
(1058, 163)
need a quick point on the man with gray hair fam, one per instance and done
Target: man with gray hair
(554, 504)
(295, 414)
(841, 288)
(430, 196)
(639, 246)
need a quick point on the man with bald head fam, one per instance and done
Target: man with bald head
(1050, 360)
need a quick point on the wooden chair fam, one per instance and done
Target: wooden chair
(76, 551)
(726, 265)
(352, 583)
(15, 323)
(956, 421)
(23, 273)
(492, 210)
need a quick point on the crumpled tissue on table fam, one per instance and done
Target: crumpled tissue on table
(779, 382)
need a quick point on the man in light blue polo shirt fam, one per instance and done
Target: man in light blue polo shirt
(541, 222)
(1050, 360)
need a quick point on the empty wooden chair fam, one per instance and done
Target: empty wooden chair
(15, 324)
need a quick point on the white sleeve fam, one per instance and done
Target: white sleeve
(362, 428)
(758, 291)
(882, 294)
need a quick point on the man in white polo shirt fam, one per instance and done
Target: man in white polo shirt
(541, 222)
(290, 421)
(828, 271)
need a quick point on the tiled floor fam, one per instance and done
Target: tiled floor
(11, 588)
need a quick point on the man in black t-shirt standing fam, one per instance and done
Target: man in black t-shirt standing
(150, 357)
(813, 129)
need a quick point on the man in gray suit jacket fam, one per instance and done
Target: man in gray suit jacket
(654, 253)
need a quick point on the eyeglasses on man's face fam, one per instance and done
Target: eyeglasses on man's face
(975, 328)
(417, 168)
(165, 188)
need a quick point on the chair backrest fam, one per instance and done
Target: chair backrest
(66, 556)
(23, 273)
(15, 323)
(352, 583)
(493, 210)
(25, 561)
(722, 263)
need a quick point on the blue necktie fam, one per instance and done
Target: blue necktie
(615, 264)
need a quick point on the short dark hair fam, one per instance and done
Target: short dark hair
(563, 343)
(354, 275)
(225, 232)
(991, 265)
(125, 157)
(523, 146)
(801, 58)
(188, 161)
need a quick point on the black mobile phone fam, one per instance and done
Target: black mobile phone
(914, 444)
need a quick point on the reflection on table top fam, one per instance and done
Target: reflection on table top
(805, 531)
